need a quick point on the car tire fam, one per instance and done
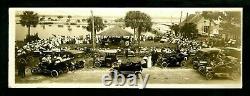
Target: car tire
(112, 74)
(137, 75)
(54, 73)
(33, 71)
(66, 70)
(98, 65)
(183, 63)
(209, 75)
(164, 65)
(200, 68)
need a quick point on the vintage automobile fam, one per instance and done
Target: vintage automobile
(173, 59)
(107, 59)
(143, 51)
(59, 66)
(127, 68)
(164, 39)
(211, 62)
(53, 69)
(202, 56)
(131, 53)
(120, 52)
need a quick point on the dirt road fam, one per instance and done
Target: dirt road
(157, 76)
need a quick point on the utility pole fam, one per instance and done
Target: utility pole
(93, 39)
(186, 18)
(179, 31)
(181, 17)
(93, 30)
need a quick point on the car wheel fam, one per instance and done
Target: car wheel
(60, 71)
(66, 70)
(112, 74)
(54, 73)
(164, 64)
(33, 71)
(200, 69)
(183, 63)
(209, 75)
(97, 64)
(137, 75)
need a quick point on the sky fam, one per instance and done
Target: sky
(121, 12)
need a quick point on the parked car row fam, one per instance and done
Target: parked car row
(210, 62)
(55, 66)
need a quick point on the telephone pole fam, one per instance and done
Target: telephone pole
(93, 39)
(187, 18)
(93, 31)
(181, 17)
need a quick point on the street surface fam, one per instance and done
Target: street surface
(173, 75)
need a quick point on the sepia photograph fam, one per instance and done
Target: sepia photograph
(125, 47)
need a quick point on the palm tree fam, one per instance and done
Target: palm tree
(29, 19)
(138, 20)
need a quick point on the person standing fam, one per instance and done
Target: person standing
(154, 56)
(126, 53)
(21, 67)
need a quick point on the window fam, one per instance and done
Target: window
(206, 28)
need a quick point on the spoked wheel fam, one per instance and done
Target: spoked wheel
(72, 68)
(66, 70)
(60, 71)
(98, 65)
(138, 75)
(209, 75)
(182, 63)
(54, 73)
(200, 68)
(112, 74)
(34, 70)
(164, 65)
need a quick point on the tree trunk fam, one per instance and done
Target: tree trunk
(28, 30)
(134, 36)
(139, 39)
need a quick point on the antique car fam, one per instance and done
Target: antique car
(212, 63)
(173, 59)
(75, 63)
(164, 39)
(53, 69)
(131, 53)
(107, 59)
(203, 55)
(56, 66)
(157, 38)
(127, 68)
(143, 51)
